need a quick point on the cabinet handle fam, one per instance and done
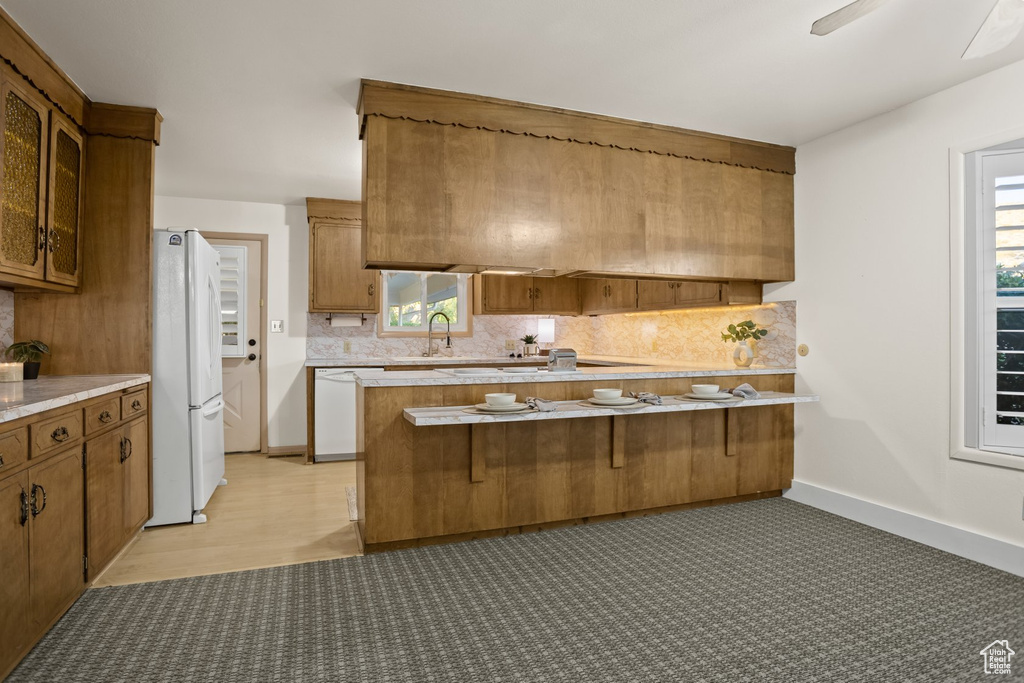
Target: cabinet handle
(24, 507)
(35, 510)
(60, 434)
(42, 238)
(370, 289)
(1, 459)
(105, 416)
(54, 241)
(136, 405)
(536, 293)
(126, 448)
(130, 449)
(529, 293)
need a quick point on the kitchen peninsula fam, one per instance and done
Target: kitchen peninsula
(427, 476)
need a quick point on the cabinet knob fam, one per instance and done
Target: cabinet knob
(136, 405)
(1, 459)
(60, 434)
(105, 416)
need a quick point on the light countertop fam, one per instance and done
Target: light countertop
(20, 399)
(463, 360)
(451, 415)
(400, 378)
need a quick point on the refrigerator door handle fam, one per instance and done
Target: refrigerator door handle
(214, 409)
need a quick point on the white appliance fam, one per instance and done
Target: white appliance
(334, 413)
(188, 406)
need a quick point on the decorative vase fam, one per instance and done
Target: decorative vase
(742, 355)
(531, 350)
(32, 369)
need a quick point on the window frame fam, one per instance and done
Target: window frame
(981, 307)
(464, 290)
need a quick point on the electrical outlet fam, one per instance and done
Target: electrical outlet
(510, 344)
(277, 326)
(347, 346)
(654, 346)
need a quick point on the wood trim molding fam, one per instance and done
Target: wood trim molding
(121, 121)
(446, 108)
(343, 210)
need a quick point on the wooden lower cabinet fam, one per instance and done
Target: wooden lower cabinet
(65, 508)
(117, 490)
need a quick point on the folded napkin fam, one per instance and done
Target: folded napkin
(646, 397)
(745, 391)
(541, 404)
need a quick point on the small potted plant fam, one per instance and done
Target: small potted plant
(531, 348)
(29, 353)
(741, 333)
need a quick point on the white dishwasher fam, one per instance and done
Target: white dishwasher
(334, 413)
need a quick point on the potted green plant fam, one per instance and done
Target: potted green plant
(531, 348)
(29, 353)
(742, 333)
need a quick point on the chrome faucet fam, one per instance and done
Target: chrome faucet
(430, 333)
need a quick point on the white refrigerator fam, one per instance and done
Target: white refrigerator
(188, 405)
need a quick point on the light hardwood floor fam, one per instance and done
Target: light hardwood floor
(274, 511)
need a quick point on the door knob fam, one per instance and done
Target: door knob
(252, 342)
(252, 356)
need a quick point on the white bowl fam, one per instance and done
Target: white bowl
(500, 399)
(704, 388)
(607, 394)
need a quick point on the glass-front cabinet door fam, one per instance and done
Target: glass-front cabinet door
(64, 217)
(24, 125)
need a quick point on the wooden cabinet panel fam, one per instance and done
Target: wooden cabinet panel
(697, 293)
(99, 416)
(607, 296)
(338, 282)
(104, 495)
(136, 476)
(653, 295)
(131, 404)
(24, 127)
(506, 294)
(556, 295)
(56, 545)
(56, 432)
(64, 211)
(14, 576)
(13, 449)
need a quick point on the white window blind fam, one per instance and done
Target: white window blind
(1001, 286)
(233, 299)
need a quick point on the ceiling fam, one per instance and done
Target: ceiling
(258, 96)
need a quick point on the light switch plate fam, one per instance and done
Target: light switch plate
(347, 346)
(277, 326)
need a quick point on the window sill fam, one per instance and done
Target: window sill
(1013, 462)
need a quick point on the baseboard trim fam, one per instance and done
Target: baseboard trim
(990, 551)
(283, 451)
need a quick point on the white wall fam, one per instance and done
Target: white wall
(287, 264)
(873, 289)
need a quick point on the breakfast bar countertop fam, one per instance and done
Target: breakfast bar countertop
(29, 397)
(451, 415)
(398, 361)
(401, 378)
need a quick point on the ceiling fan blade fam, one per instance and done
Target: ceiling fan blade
(1000, 27)
(844, 15)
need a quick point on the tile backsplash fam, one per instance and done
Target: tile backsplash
(6, 319)
(691, 335)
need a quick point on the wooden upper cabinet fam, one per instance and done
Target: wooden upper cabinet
(608, 296)
(337, 281)
(41, 191)
(515, 294)
(456, 180)
(25, 123)
(64, 209)
(657, 295)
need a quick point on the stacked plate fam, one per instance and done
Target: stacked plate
(510, 408)
(613, 402)
(720, 396)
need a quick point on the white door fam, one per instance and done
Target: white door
(203, 321)
(207, 450)
(241, 298)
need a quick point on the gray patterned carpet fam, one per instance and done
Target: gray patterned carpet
(764, 591)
